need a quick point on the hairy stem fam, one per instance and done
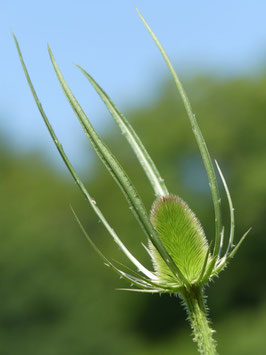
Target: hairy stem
(196, 309)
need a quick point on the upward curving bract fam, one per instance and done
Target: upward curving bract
(133, 139)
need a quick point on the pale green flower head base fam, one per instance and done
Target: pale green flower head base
(182, 259)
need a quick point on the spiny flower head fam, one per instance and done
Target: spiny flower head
(182, 236)
(177, 244)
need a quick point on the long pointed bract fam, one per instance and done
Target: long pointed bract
(144, 158)
(76, 177)
(128, 277)
(199, 280)
(221, 244)
(165, 288)
(233, 252)
(140, 290)
(231, 208)
(200, 141)
(118, 174)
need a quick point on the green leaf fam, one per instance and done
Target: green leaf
(144, 158)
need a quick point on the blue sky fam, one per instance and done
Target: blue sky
(108, 39)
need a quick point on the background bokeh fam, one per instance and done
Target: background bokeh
(56, 295)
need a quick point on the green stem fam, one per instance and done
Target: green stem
(196, 308)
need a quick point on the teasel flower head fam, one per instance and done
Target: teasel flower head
(181, 255)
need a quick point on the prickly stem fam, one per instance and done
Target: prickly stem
(195, 305)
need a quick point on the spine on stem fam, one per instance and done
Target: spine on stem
(196, 308)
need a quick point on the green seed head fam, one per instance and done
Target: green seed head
(181, 235)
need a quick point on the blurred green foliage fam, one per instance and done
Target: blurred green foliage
(56, 296)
